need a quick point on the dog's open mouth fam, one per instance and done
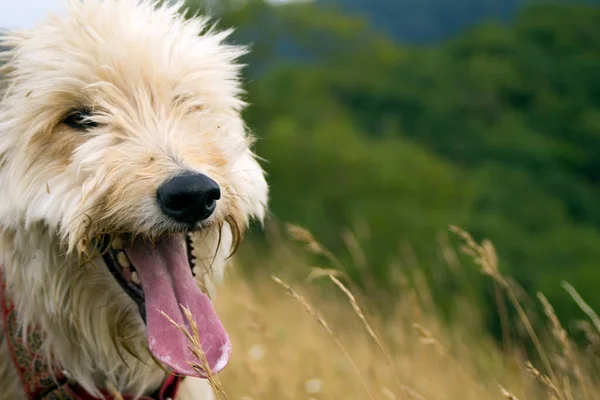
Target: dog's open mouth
(158, 277)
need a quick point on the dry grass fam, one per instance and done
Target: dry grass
(293, 341)
(201, 366)
(282, 352)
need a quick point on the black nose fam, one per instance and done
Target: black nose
(188, 198)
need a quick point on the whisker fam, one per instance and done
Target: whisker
(217, 248)
(238, 171)
(85, 211)
(240, 196)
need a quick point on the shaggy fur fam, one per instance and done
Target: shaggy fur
(165, 96)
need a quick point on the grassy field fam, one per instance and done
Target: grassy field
(313, 339)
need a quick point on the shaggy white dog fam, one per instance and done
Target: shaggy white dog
(125, 171)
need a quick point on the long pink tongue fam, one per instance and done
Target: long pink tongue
(168, 284)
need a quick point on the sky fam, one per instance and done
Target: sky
(25, 13)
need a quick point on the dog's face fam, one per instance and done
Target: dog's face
(120, 131)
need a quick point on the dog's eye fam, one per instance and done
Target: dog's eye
(79, 120)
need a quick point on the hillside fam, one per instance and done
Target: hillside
(430, 21)
(427, 21)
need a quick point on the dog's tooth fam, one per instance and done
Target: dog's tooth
(117, 244)
(123, 260)
(135, 278)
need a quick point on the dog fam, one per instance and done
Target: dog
(127, 179)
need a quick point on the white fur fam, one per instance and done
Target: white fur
(166, 93)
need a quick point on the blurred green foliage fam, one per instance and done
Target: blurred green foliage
(497, 131)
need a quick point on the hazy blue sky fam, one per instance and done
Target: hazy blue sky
(24, 13)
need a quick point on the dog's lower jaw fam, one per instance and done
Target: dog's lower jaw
(82, 312)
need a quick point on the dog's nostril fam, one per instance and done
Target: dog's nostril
(189, 198)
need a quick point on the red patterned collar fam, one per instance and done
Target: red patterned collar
(42, 381)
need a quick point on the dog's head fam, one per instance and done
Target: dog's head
(120, 133)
